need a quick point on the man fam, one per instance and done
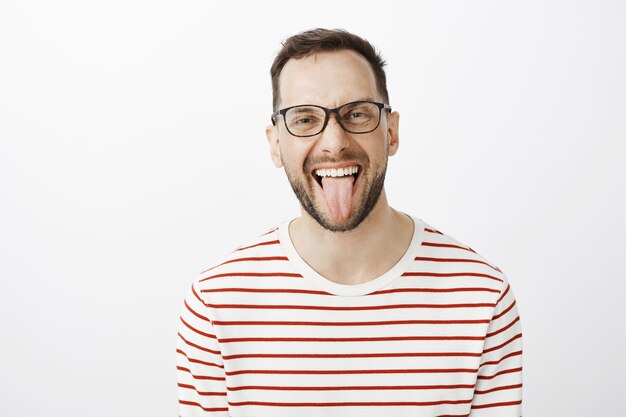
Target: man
(353, 308)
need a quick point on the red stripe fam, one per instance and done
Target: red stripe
(351, 404)
(505, 328)
(254, 258)
(346, 339)
(203, 377)
(468, 289)
(453, 415)
(432, 231)
(193, 290)
(356, 308)
(422, 258)
(253, 274)
(508, 286)
(215, 352)
(193, 329)
(269, 231)
(257, 258)
(406, 274)
(266, 290)
(314, 292)
(504, 404)
(517, 336)
(445, 245)
(198, 315)
(510, 355)
(199, 361)
(183, 402)
(348, 372)
(345, 323)
(349, 355)
(503, 372)
(497, 316)
(451, 274)
(271, 242)
(347, 388)
(205, 393)
(502, 388)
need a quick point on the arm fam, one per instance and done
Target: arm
(498, 390)
(200, 368)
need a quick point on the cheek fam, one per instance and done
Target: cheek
(293, 163)
(294, 155)
(378, 150)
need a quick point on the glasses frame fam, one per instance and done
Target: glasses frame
(327, 112)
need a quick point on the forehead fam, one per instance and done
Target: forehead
(327, 79)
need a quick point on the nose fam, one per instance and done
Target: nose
(333, 140)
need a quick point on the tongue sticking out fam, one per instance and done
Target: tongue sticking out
(338, 195)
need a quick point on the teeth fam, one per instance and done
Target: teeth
(340, 172)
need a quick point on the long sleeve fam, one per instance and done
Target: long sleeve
(498, 390)
(200, 368)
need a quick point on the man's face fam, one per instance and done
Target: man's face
(331, 79)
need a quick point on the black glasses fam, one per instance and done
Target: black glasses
(310, 120)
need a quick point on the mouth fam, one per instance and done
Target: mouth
(321, 173)
(338, 187)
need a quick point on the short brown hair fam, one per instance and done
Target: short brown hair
(317, 40)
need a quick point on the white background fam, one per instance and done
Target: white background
(133, 155)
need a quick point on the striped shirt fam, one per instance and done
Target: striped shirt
(262, 334)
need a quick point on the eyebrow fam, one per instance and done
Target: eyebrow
(351, 101)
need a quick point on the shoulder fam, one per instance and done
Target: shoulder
(445, 244)
(259, 247)
(446, 254)
(253, 257)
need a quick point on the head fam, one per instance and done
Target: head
(330, 68)
(310, 42)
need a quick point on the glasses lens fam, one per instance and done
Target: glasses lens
(360, 117)
(305, 120)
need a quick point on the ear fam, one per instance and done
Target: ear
(271, 131)
(393, 134)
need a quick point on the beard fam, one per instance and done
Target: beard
(372, 189)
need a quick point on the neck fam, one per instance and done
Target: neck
(358, 255)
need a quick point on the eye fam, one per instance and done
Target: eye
(304, 120)
(304, 117)
(357, 115)
(360, 112)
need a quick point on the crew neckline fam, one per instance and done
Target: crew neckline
(319, 281)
